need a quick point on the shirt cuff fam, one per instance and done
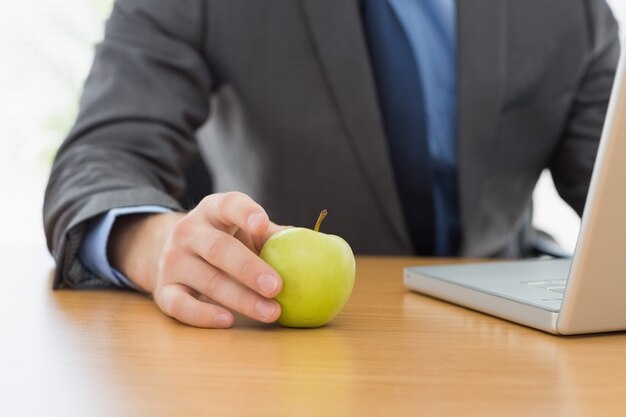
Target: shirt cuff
(93, 250)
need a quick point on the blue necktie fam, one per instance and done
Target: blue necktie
(402, 105)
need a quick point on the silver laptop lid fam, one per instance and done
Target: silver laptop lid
(595, 298)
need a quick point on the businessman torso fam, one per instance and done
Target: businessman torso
(297, 76)
(294, 119)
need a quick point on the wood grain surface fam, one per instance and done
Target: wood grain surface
(390, 353)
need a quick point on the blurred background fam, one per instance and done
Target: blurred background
(46, 48)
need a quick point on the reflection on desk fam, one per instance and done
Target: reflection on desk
(390, 353)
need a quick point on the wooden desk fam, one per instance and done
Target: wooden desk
(390, 353)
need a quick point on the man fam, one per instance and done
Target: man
(421, 125)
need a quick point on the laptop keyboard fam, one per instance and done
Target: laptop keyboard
(557, 285)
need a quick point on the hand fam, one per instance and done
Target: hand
(187, 261)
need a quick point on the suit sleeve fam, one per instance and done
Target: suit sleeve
(574, 158)
(147, 93)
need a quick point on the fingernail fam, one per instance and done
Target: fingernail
(222, 320)
(267, 283)
(255, 220)
(265, 309)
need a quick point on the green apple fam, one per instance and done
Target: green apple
(318, 274)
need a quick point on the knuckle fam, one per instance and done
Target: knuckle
(230, 199)
(214, 205)
(233, 195)
(246, 302)
(215, 247)
(170, 258)
(248, 269)
(168, 302)
(207, 202)
(182, 229)
(174, 307)
(212, 282)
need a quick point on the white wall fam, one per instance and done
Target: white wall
(619, 9)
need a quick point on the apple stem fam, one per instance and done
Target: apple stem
(320, 219)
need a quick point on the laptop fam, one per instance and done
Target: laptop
(584, 294)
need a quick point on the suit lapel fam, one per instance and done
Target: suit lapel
(337, 34)
(481, 39)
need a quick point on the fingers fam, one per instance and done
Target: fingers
(235, 259)
(219, 287)
(176, 301)
(213, 253)
(260, 240)
(229, 211)
(255, 243)
(239, 215)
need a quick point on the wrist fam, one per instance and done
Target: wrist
(136, 243)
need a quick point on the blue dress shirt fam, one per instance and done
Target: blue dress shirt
(431, 28)
(93, 249)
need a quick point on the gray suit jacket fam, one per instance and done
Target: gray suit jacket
(293, 118)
